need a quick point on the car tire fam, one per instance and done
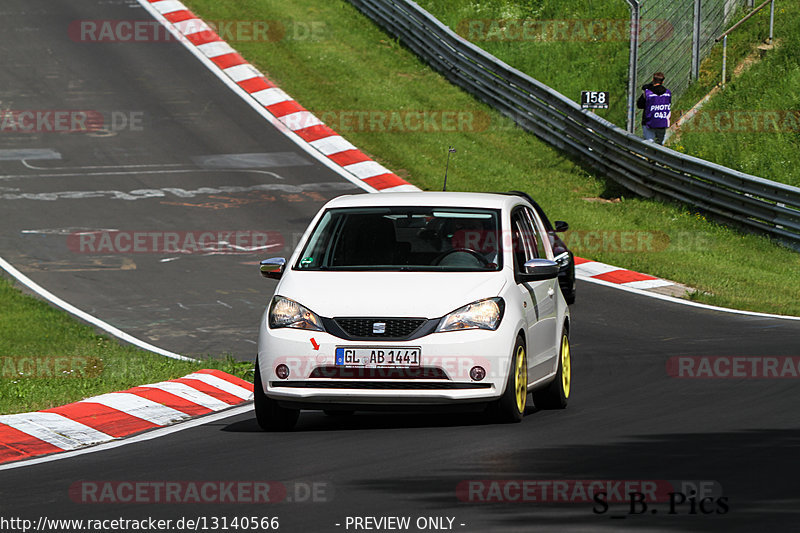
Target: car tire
(570, 297)
(270, 415)
(556, 394)
(511, 406)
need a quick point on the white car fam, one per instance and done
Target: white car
(410, 300)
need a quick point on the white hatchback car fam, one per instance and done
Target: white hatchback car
(405, 300)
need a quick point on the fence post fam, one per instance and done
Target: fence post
(633, 62)
(771, 21)
(696, 41)
(724, 58)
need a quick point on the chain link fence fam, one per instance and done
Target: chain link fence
(676, 35)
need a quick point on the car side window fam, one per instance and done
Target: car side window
(523, 240)
(535, 235)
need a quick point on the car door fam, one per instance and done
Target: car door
(539, 297)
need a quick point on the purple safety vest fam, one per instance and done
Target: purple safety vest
(657, 109)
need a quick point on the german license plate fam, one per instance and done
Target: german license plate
(377, 357)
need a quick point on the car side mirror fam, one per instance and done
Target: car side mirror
(561, 226)
(272, 268)
(539, 270)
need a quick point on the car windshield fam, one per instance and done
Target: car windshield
(404, 239)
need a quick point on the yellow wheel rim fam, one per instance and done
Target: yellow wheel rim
(566, 366)
(521, 379)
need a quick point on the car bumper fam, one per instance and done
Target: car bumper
(443, 376)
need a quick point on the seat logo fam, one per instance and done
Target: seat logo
(379, 328)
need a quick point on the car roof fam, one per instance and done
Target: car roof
(428, 198)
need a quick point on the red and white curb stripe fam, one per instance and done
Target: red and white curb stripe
(595, 271)
(119, 414)
(279, 106)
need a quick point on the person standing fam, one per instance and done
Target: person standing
(656, 101)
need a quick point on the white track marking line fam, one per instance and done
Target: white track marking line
(682, 301)
(33, 167)
(137, 172)
(105, 326)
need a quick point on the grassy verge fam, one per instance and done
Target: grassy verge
(569, 45)
(350, 65)
(753, 125)
(47, 358)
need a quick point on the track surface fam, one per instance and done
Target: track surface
(627, 419)
(190, 303)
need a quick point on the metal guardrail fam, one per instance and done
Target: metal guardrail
(643, 167)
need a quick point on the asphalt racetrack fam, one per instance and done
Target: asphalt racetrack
(199, 159)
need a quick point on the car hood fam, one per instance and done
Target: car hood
(388, 294)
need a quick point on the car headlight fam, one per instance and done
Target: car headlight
(483, 314)
(286, 313)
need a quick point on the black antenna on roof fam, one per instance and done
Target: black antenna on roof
(450, 150)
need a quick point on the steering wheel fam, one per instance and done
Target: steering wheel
(477, 255)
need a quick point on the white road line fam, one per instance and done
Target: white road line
(137, 172)
(33, 167)
(105, 326)
(683, 301)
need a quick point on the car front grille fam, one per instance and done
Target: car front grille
(395, 328)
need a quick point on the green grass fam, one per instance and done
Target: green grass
(561, 48)
(602, 65)
(769, 85)
(352, 65)
(63, 360)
